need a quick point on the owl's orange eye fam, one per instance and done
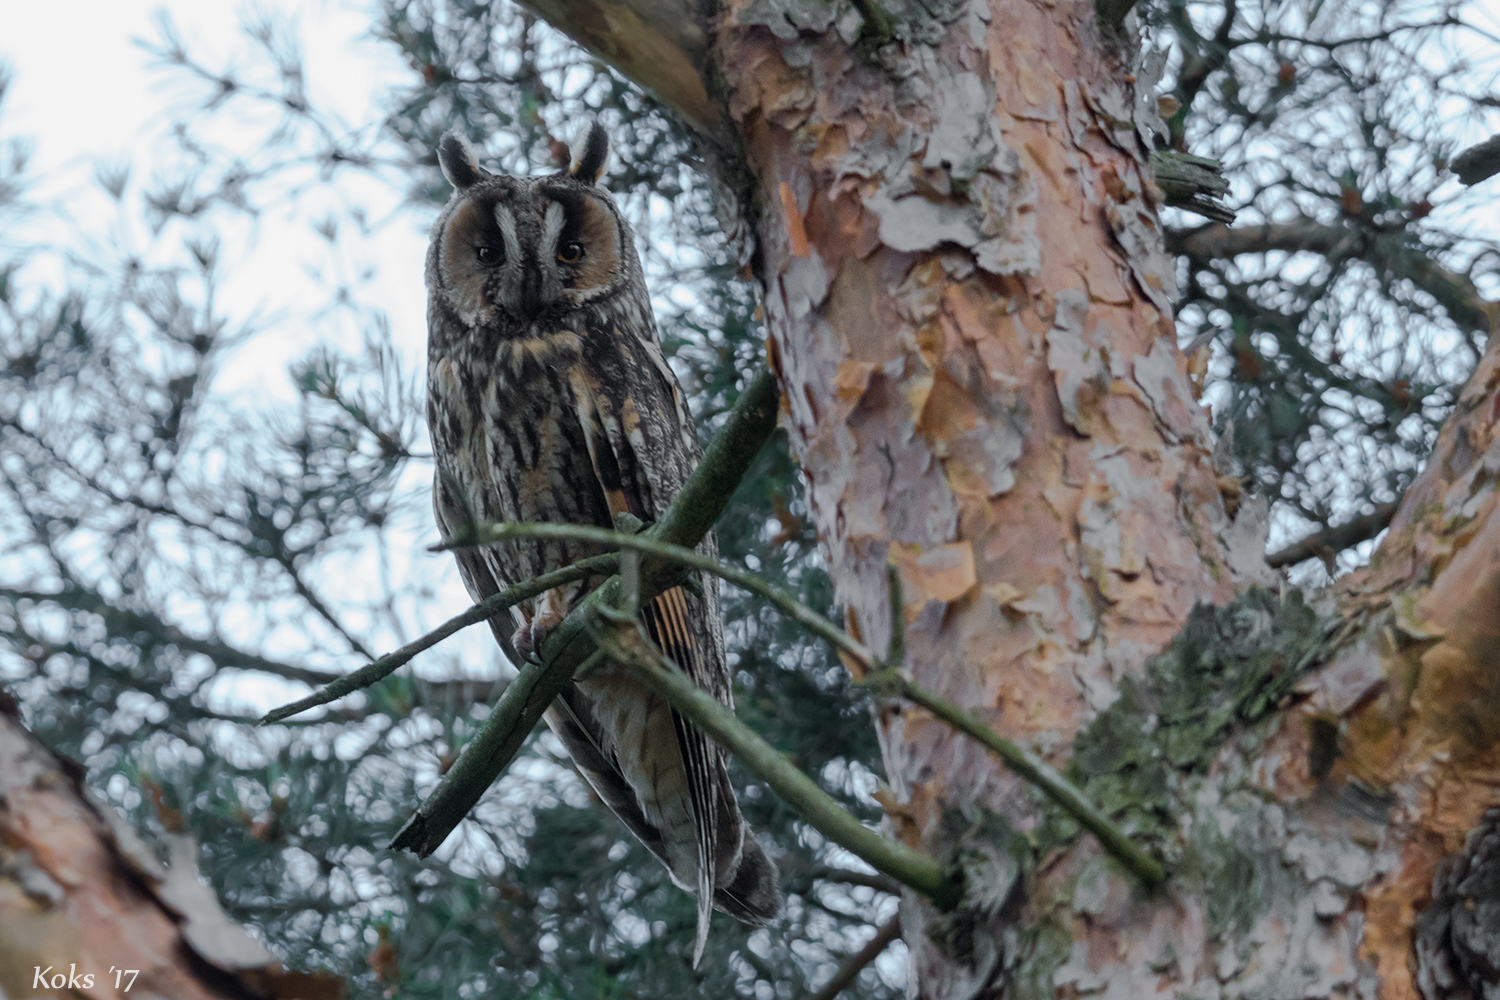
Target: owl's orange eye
(487, 254)
(570, 253)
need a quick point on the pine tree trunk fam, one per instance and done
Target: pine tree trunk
(87, 910)
(969, 307)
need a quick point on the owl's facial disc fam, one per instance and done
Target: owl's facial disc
(531, 253)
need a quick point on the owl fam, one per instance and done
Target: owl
(549, 399)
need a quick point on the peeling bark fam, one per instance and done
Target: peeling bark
(977, 356)
(969, 297)
(80, 897)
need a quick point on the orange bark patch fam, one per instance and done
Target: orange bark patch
(1391, 911)
(938, 573)
(795, 230)
(1457, 695)
(1371, 748)
(852, 380)
(946, 413)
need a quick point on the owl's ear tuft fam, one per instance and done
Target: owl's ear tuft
(592, 155)
(458, 161)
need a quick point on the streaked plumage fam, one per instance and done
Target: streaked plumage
(549, 399)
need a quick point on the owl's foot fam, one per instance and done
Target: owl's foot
(549, 614)
(529, 638)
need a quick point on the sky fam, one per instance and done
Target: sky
(97, 96)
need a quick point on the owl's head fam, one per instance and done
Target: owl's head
(512, 252)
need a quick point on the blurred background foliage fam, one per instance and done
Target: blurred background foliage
(167, 561)
(1342, 310)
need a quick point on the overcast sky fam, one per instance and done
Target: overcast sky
(85, 92)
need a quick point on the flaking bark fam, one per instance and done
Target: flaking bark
(81, 896)
(969, 302)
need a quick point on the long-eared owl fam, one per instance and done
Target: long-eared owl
(549, 399)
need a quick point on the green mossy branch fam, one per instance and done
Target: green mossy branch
(666, 553)
(883, 676)
(651, 561)
(628, 646)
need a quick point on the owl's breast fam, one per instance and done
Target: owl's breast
(510, 436)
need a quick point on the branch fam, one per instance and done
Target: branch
(483, 611)
(1385, 252)
(703, 497)
(663, 552)
(856, 962)
(1477, 163)
(879, 883)
(626, 645)
(662, 45)
(1191, 183)
(1335, 539)
(882, 676)
(124, 623)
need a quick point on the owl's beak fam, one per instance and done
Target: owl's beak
(533, 298)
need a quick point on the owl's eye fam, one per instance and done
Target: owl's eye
(570, 253)
(487, 254)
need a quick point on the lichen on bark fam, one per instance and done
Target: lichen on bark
(1227, 669)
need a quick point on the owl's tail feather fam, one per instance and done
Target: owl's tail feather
(754, 893)
(705, 910)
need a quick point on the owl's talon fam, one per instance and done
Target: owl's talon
(528, 639)
(539, 632)
(521, 640)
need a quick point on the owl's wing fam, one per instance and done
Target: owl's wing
(454, 515)
(640, 464)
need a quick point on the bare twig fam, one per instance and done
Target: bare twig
(851, 967)
(876, 881)
(483, 611)
(883, 676)
(1333, 540)
(794, 609)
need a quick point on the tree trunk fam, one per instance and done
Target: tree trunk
(969, 306)
(87, 910)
